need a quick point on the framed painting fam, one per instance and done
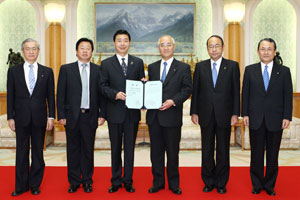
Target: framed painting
(146, 23)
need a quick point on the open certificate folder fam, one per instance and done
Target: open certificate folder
(140, 95)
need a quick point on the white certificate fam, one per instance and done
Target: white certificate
(134, 94)
(153, 94)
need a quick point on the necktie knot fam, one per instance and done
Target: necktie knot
(214, 65)
(31, 66)
(165, 64)
(83, 65)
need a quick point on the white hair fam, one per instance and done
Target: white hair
(165, 36)
(30, 40)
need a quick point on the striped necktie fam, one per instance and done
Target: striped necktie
(31, 79)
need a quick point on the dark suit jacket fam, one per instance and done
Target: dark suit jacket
(177, 86)
(69, 90)
(223, 99)
(275, 104)
(114, 81)
(21, 106)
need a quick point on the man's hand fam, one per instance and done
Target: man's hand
(234, 120)
(62, 121)
(144, 79)
(285, 123)
(246, 120)
(101, 121)
(50, 124)
(195, 119)
(11, 124)
(121, 96)
(167, 104)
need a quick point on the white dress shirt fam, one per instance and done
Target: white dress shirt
(26, 72)
(87, 68)
(218, 64)
(169, 62)
(120, 59)
(270, 67)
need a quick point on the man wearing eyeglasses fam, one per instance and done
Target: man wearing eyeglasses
(267, 110)
(165, 123)
(215, 106)
(30, 112)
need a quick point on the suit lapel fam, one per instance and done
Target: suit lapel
(40, 75)
(222, 71)
(274, 75)
(259, 77)
(156, 71)
(116, 64)
(21, 77)
(171, 72)
(208, 71)
(75, 70)
(130, 66)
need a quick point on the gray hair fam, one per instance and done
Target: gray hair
(165, 36)
(30, 40)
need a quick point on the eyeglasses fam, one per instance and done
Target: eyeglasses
(211, 47)
(163, 45)
(30, 49)
(266, 49)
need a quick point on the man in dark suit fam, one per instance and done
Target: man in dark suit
(122, 122)
(165, 123)
(80, 108)
(215, 106)
(30, 111)
(267, 101)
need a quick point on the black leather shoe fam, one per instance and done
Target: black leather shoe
(114, 188)
(208, 188)
(256, 191)
(176, 190)
(73, 188)
(154, 189)
(129, 188)
(87, 188)
(270, 192)
(35, 190)
(221, 190)
(17, 193)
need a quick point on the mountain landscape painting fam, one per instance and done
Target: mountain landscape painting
(145, 23)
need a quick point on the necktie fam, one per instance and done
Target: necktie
(31, 79)
(266, 78)
(164, 74)
(124, 67)
(84, 83)
(214, 74)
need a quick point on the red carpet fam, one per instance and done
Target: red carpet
(55, 186)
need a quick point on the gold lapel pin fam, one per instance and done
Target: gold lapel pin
(278, 73)
(225, 67)
(131, 63)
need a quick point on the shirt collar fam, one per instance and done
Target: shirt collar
(218, 62)
(80, 63)
(120, 58)
(270, 65)
(169, 61)
(34, 64)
